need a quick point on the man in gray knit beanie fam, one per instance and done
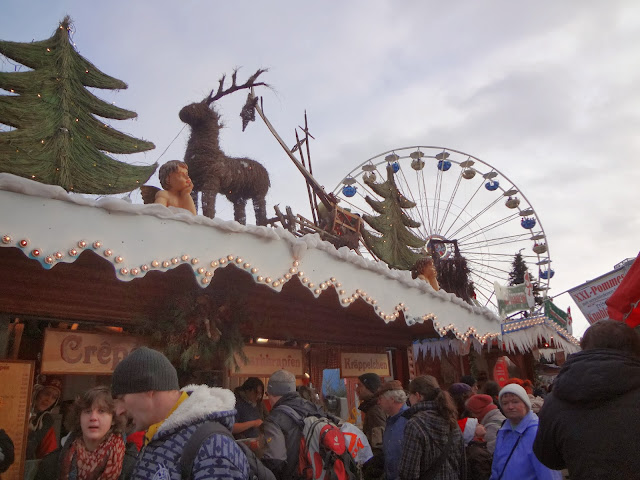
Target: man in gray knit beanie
(145, 386)
(282, 428)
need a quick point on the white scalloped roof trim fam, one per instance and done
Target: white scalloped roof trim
(539, 329)
(126, 249)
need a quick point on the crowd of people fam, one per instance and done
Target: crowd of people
(144, 425)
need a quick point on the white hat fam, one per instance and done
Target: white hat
(518, 391)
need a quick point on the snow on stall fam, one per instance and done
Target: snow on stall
(525, 334)
(52, 226)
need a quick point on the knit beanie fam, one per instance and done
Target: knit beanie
(518, 391)
(281, 382)
(144, 370)
(459, 389)
(479, 405)
(371, 381)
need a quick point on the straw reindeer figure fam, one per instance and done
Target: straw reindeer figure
(211, 170)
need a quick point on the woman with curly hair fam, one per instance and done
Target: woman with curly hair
(95, 449)
(432, 443)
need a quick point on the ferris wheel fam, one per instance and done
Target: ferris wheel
(463, 205)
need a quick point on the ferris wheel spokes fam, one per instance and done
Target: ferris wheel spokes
(501, 270)
(487, 228)
(475, 217)
(454, 211)
(463, 209)
(495, 241)
(419, 212)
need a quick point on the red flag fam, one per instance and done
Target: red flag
(624, 304)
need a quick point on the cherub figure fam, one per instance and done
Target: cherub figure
(426, 270)
(177, 187)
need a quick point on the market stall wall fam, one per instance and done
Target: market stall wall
(88, 291)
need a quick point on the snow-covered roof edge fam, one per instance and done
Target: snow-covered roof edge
(53, 226)
(525, 334)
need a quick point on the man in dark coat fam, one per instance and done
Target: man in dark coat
(374, 418)
(282, 428)
(374, 423)
(589, 423)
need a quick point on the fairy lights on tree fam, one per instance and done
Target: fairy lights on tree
(57, 138)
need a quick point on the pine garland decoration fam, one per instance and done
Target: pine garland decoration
(196, 328)
(395, 242)
(57, 138)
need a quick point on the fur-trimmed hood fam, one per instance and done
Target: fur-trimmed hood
(204, 403)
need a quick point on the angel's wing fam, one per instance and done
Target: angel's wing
(149, 193)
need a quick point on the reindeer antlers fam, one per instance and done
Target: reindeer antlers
(251, 82)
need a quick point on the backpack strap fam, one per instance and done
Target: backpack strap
(509, 457)
(191, 448)
(291, 413)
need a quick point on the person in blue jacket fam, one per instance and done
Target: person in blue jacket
(145, 386)
(393, 400)
(513, 457)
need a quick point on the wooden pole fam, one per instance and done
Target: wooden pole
(313, 212)
(307, 135)
(317, 188)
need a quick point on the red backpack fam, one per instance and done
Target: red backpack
(323, 453)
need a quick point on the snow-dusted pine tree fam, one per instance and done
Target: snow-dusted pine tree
(57, 138)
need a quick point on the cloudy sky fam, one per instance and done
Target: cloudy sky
(546, 92)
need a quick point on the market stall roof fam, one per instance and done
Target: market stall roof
(526, 333)
(520, 335)
(624, 304)
(55, 229)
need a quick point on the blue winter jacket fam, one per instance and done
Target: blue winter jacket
(219, 456)
(523, 464)
(392, 443)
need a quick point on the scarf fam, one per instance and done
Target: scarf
(153, 429)
(104, 463)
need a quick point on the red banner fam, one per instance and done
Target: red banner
(500, 372)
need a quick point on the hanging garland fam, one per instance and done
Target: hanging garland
(197, 328)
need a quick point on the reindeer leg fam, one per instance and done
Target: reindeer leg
(209, 203)
(239, 210)
(194, 196)
(260, 208)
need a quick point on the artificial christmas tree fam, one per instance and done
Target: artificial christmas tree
(395, 243)
(57, 138)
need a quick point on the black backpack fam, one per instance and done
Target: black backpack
(479, 461)
(257, 470)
